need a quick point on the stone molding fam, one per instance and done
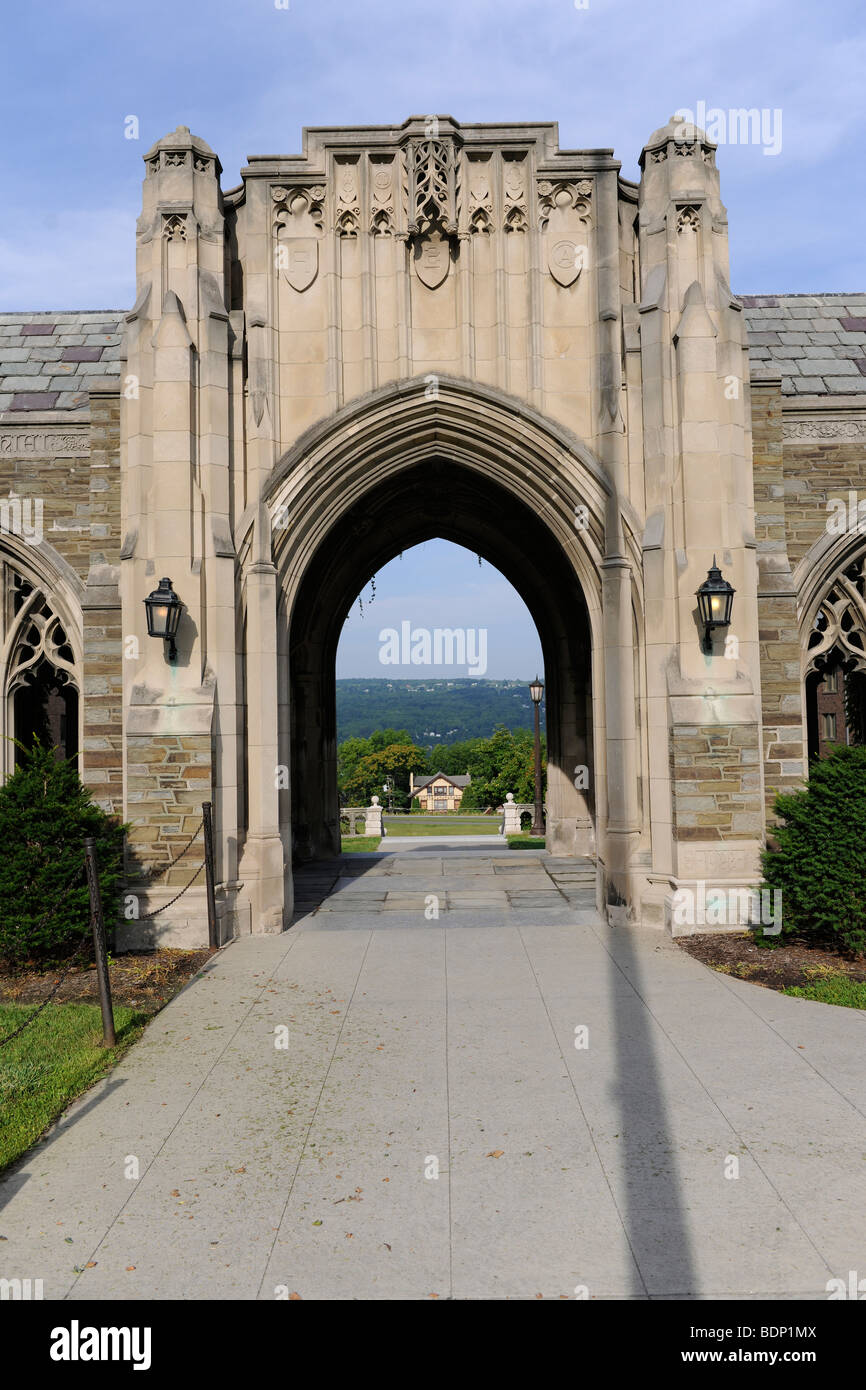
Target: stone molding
(825, 428)
(43, 441)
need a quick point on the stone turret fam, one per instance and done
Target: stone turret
(699, 500)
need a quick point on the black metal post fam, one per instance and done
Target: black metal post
(98, 928)
(207, 817)
(538, 820)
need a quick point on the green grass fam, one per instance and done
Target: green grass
(359, 843)
(443, 824)
(525, 841)
(51, 1063)
(832, 989)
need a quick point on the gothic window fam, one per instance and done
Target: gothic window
(39, 674)
(836, 663)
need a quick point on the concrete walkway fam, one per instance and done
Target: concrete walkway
(432, 1130)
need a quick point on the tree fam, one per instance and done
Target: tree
(502, 764)
(397, 761)
(818, 857)
(45, 813)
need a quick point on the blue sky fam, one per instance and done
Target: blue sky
(464, 595)
(246, 75)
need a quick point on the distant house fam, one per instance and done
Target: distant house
(441, 792)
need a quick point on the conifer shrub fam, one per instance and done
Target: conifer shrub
(45, 813)
(819, 857)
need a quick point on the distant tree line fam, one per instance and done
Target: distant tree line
(433, 712)
(497, 765)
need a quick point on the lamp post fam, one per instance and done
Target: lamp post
(536, 690)
(163, 608)
(715, 602)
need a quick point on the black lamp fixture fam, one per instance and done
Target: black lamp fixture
(163, 609)
(715, 601)
(536, 690)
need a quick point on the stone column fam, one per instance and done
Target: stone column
(180, 716)
(621, 832)
(511, 814)
(373, 818)
(704, 708)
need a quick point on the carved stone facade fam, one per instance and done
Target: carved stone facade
(456, 330)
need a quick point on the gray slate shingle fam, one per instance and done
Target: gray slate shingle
(47, 360)
(819, 351)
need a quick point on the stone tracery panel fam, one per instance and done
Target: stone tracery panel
(33, 634)
(839, 630)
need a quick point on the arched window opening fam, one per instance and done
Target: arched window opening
(41, 687)
(836, 664)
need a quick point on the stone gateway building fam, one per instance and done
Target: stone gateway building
(434, 329)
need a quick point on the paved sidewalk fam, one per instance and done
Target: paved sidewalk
(425, 1048)
(464, 879)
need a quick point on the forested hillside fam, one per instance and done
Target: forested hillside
(434, 712)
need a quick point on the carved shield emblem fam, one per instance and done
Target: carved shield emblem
(565, 261)
(432, 260)
(301, 261)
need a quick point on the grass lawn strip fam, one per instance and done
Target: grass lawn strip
(60, 1055)
(794, 967)
(51, 1063)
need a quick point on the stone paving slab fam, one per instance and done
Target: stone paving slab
(433, 1128)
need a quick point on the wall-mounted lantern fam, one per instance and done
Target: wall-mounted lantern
(715, 601)
(163, 609)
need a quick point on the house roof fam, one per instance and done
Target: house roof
(457, 781)
(817, 342)
(48, 361)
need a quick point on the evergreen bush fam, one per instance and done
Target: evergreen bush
(819, 859)
(45, 813)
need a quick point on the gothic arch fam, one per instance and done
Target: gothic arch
(831, 585)
(335, 462)
(833, 640)
(421, 458)
(40, 640)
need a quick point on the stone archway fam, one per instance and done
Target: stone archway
(469, 464)
(438, 498)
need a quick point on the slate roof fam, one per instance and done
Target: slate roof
(816, 341)
(47, 359)
(458, 781)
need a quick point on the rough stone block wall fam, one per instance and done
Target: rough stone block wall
(104, 482)
(168, 778)
(62, 483)
(716, 781)
(101, 760)
(815, 473)
(778, 624)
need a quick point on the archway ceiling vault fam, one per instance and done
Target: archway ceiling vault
(337, 462)
(440, 500)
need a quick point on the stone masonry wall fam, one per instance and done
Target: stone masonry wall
(101, 760)
(814, 473)
(716, 781)
(778, 629)
(168, 778)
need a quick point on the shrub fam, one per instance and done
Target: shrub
(45, 813)
(819, 861)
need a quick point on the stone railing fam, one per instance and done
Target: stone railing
(512, 811)
(353, 814)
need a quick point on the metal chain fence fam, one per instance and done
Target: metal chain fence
(98, 929)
